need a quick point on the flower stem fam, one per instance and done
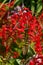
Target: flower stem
(3, 3)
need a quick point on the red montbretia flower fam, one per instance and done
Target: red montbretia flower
(41, 16)
(0, 33)
(31, 62)
(7, 48)
(10, 4)
(16, 55)
(22, 24)
(4, 32)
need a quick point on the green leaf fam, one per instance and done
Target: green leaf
(39, 1)
(18, 50)
(11, 60)
(33, 9)
(7, 8)
(17, 2)
(0, 60)
(8, 63)
(33, 52)
(33, 6)
(1, 0)
(0, 63)
(39, 8)
(18, 61)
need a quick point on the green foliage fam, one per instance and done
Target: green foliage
(34, 5)
(3, 0)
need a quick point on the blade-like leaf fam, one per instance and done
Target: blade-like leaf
(39, 8)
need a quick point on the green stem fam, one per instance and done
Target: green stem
(3, 3)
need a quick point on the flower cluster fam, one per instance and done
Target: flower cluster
(5, 7)
(37, 60)
(21, 26)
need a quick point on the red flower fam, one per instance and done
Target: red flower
(37, 60)
(10, 4)
(7, 48)
(41, 17)
(13, 21)
(4, 32)
(0, 33)
(31, 62)
(16, 55)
